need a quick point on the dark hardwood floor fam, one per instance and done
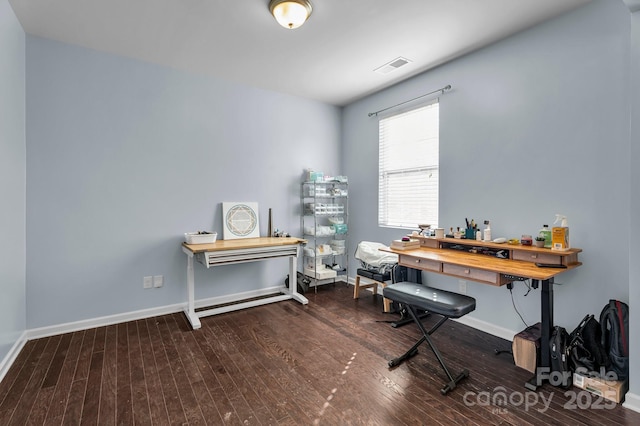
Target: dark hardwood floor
(281, 364)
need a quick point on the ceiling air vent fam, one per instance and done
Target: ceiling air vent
(392, 66)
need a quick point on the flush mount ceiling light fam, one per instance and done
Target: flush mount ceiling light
(290, 13)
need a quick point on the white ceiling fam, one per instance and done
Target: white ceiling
(331, 58)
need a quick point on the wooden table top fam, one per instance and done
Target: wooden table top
(243, 243)
(488, 263)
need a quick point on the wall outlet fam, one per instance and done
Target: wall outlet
(147, 282)
(158, 281)
(462, 287)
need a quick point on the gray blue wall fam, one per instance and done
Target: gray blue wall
(12, 180)
(124, 157)
(535, 125)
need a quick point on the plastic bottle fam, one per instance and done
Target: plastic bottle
(545, 233)
(487, 231)
(560, 234)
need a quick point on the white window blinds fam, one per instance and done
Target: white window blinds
(409, 168)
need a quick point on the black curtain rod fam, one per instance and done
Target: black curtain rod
(442, 90)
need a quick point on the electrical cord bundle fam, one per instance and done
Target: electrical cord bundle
(526, 282)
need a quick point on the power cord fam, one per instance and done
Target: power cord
(526, 282)
(513, 302)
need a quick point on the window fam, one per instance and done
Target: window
(409, 168)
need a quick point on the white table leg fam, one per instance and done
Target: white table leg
(190, 309)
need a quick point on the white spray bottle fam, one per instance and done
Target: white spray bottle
(487, 231)
(560, 234)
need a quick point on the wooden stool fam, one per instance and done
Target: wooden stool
(377, 279)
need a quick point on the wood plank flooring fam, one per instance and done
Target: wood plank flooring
(282, 364)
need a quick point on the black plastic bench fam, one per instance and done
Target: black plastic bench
(417, 297)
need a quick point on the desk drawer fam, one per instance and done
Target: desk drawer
(532, 256)
(471, 273)
(418, 263)
(429, 242)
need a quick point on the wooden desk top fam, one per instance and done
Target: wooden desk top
(487, 263)
(499, 246)
(243, 243)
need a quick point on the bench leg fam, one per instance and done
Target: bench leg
(404, 321)
(374, 288)
(356, 288)
(387, 305)
(373, 285)
(408, 354)
(453, 381)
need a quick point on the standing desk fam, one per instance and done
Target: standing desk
(228, 252)
(462, 259)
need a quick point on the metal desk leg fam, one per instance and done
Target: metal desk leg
(190, 309)
(546, 303)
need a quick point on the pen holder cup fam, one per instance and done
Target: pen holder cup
(470, 234)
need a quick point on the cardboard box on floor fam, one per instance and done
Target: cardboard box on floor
(612, 390)
(526, 348)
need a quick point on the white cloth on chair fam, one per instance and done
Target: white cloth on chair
(372, 258)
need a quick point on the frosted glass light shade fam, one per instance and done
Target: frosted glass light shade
(290, 13)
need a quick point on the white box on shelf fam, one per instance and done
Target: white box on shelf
(200, 237)
(324, 250)
(338, 250)
(320, 274)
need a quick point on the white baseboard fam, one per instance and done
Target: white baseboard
(69, 327)
(36, 333)
(8, 360)
(487, 327)
(632, 402)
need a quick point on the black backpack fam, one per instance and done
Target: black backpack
(585, 348)
(614, 323)
(559, 348)
(302, 282)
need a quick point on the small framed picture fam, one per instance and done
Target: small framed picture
(240, 220)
